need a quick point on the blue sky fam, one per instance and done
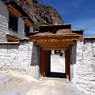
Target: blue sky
(79, 13)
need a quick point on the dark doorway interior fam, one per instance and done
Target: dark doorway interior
(57, 75)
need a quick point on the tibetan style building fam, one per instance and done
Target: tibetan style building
(29, 52)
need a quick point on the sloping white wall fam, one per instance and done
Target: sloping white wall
(84, 69)
(20, 57)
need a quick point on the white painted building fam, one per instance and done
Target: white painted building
(15, 24)
(13, 21)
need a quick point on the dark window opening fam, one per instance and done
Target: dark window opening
(27, 30)
(13, 23)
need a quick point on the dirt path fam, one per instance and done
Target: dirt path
(24, 85)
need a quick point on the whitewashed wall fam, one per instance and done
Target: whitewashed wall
(84, 69)
(20, 57)
(4, 17)
(3, 10)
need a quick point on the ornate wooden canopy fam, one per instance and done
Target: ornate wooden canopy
(54, 41)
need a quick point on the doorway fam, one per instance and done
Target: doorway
(54, 64)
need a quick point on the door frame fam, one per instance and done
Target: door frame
(45, 61)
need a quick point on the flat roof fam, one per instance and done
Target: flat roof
(46, 28)
(78, 31)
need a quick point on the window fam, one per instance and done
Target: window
(13, 23)
(27, 30)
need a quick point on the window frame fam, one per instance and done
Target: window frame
(13, 23)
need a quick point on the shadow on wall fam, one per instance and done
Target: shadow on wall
(73, 54)
(35, 55)
(9, 46)
(73, 60)
(12, 47)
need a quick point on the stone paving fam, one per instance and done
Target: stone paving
(24, 85)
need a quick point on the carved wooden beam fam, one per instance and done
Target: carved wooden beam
(13, 11)
(54, 48)
(55, 42)
(55, 36)
(12, 38)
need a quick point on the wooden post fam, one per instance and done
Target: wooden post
(42, 62)
(48, 53)
(67, 63)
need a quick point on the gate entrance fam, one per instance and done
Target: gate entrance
(57, 38)
(47, 43)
